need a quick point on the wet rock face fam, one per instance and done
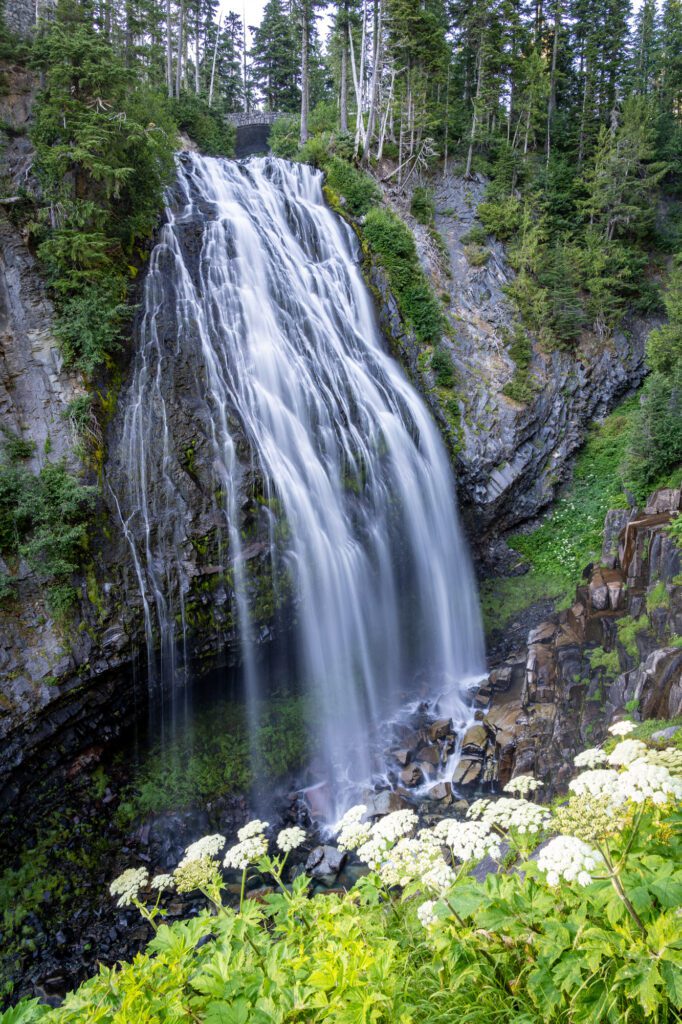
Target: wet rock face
(610, 653)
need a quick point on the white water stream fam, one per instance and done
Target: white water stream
(279, 326)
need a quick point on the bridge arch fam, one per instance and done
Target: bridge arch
(253, 129)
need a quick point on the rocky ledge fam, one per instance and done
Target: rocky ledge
(616, 650)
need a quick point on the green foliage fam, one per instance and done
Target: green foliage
(422, 207)
(477, 255)
(521, 387)
(572, 535)
(104, 152)
(501, 218)
(213, 757)
(360, 190)
(44, 518)
(284, 137)
(441, 364)
(656, 448)
(511, 947)
(391, 241)
(205, 125)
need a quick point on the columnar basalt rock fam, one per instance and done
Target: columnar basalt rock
(554, 696)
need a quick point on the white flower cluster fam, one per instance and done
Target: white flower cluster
(128, 885)
(252, 828)
(639, 782)
(468, 840)
(162, 882)
(644, 781)
(382, 835)
(622, 728)
(353, 832)
(670, 758)
(522, 785)
(351, 817)
(251, 847)
(410, 860)
(596, 782)
(426, 913)
(627, 751)
(290, 839)
(569, 858)
(591, 758)
(507, 813)
(207, 846)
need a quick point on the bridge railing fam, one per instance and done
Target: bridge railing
(253, 117)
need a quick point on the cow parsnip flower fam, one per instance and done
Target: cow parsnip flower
(569, 858)
(594, 757)
(162, 882)
(195, 874)
(354, 834)
(290, 839)
(522, 785)
(645, 781)
(592, 818)
(128, 884)
(207, 846)
(599, 782)
(248, 851)
(426, 913)
(622, 728)
(351, 817)
(509, 813)
(468, 840)
(252, 828)
(626, 752)
(670, 758)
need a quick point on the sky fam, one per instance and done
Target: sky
(250, 11)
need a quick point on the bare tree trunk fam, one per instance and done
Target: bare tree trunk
(178, 66)
(551, 99)
(376, 56)
(447, 117)
(197, 87)
(213, 62)
(359, 81)
(169, 50)
(387, 112)
(474, 118)
(343, 93)
(305, 27)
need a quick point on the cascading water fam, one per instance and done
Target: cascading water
(274, 323)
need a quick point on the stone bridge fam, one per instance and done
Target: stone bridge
(253, 129)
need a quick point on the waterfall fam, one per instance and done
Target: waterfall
(254, 293)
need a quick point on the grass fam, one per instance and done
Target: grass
(571, 536)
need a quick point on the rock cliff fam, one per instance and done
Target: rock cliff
(617, 649)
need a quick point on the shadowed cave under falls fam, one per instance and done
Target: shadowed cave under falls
(255, 286)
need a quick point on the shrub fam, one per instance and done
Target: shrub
(587, 930)
(441, 364)
(391, 241)
(477, 255)
(284, 137)
(501, 217)
(422, 206)
(205, 125)
(476, 235)
(360, 190)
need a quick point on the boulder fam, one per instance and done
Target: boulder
(441, 791)
(475, 740)
(324, 863)
(412, 775)
(439, 729)
(668, 499)
(384, 802)
(467, 772)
